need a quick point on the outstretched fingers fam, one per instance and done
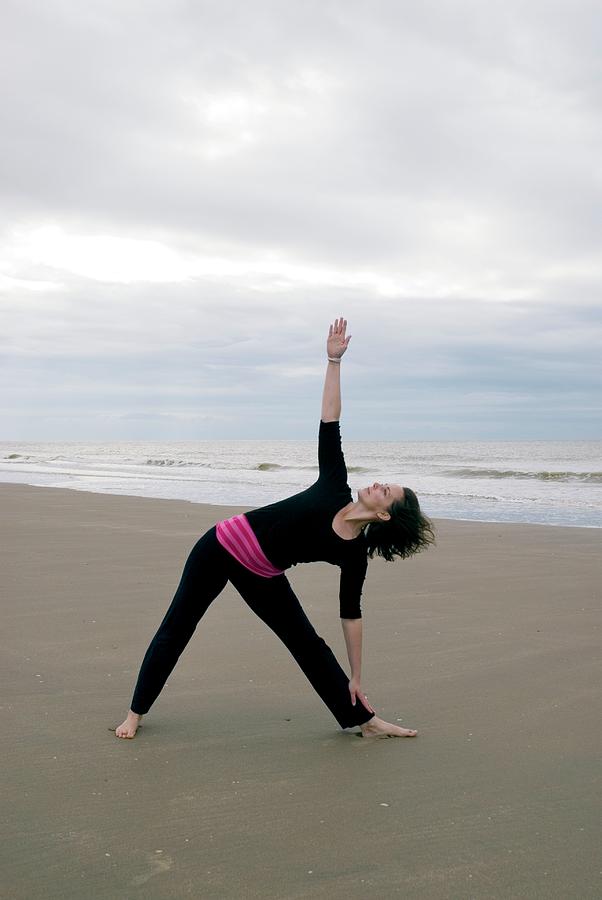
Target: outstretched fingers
(338, 341)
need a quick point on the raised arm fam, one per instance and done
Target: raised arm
(336, 345)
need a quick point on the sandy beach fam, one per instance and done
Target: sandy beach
(240, 784)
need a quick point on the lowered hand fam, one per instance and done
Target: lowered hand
(357, 694)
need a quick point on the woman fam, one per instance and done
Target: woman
(252, 551)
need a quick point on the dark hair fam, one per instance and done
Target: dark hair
(407, 532)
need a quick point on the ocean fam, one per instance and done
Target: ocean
(547, 482)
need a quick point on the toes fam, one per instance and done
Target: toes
(124, 732)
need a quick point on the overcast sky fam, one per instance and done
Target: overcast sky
(191, 191)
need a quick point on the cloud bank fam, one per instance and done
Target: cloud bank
(191, 192)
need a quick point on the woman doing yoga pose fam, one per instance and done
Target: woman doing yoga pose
(253, 550)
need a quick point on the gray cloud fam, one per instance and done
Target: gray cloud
(431, 171)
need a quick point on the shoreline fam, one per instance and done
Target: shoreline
(243, 507)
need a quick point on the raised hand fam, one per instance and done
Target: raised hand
(337, 343)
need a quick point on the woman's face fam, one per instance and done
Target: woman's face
(379, 497)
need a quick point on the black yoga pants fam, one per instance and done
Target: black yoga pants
(206, 573)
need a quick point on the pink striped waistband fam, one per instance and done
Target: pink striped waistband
(237, 537)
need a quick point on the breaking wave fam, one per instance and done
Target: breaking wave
(256, 467)
(268, 467)
(176, 462)
(584, 477)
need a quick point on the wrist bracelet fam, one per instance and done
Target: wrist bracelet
(331, 359)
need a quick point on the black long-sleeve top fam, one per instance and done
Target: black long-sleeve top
(299, 529)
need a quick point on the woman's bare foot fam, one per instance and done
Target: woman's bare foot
(379, 728)
(128, 728)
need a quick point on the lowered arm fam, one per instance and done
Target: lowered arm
(352, 629)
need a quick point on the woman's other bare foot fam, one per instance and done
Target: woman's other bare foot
(128, 728)
(379, 728)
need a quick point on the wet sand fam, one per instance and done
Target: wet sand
(240, 784)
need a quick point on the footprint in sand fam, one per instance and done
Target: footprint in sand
(158, 865)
